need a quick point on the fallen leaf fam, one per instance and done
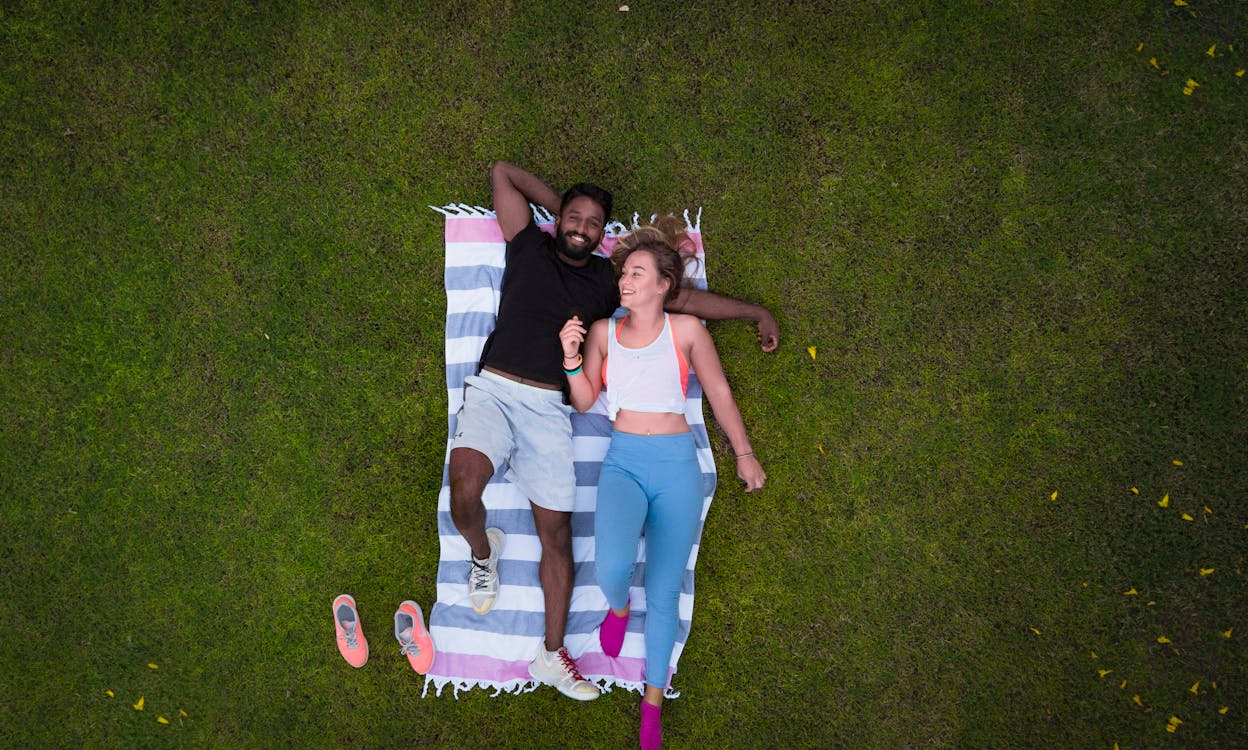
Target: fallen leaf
(1209, 51)
(1103, 672)
(153, 666)
(1180, 3)
(1224, 709)
(162, 720)
(1135, 490)
(1227, 633)
(812, 350)
(1206, 571)
(1208, 510)
(182, 713)
(139, 706)
(1136, 699)
(1037, 632)
(109, 693)
(1139, 47)
(1094, 656)
(1123, 686)
(1175, 720)
(1153, 61)
(1176, 461)
(1239, 73)
(1192, 83)
(1165, 501)
(1186, 517)
(1162, 639)
(1053, 496)
(623, 8)
(821, 450)
(1195, 689)
(1130, 592)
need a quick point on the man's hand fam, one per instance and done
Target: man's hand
(768, 331)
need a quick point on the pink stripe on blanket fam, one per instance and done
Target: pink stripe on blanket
(472, 667)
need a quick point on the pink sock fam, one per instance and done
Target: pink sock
(611, 633)
(651, 734)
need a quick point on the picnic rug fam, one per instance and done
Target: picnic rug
(493, 651)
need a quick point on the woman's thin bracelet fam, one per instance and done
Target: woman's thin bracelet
(743, 455)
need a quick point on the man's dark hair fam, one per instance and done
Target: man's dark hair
(591, 191)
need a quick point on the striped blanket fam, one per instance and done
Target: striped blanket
(493, 651)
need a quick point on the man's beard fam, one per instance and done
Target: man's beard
(573, 253)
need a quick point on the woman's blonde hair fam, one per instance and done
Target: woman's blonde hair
(667, 242)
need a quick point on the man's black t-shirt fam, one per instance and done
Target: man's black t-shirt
(539, 293)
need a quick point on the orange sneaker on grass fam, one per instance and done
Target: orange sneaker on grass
(409, 629)
(351, 642)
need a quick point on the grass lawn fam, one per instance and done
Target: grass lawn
(1006, 430)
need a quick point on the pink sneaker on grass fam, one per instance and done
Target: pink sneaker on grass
(351, 642)
(409, 629)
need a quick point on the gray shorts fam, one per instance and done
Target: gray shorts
(527, 427)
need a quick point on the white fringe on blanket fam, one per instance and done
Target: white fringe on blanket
(493, 651)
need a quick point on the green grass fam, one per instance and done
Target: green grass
(1017, 246)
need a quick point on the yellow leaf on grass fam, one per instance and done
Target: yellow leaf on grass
(182, 713)
(1180, 3)
(153, 666)
(1224, 709)
(139, 706)
(1130, 592)
(109, 693)
(1135, 490)
(1227, 633)
(1239, 73)
(1053, 496)
(1123, 686)
(162, 720)
(1139, 47)
(1175, 721)
(1195, 689)
(1153, 61)
(1165, 501)
(1093, 653)
(812, 350)
(1136, 699)
(1209, 51)
(1208, 510)
(1176, 461)
(1162, 639)
(1037, 632)
(1187, 517)
(1187, 90)
(1206, 571)
(1103, 672)
(1172, 728)
(1192, 83)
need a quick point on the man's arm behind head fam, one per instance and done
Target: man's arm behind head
(514, 189)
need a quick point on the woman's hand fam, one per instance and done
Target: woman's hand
(750, 471)
(571, 337)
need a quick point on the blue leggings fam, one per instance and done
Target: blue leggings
(652, 482)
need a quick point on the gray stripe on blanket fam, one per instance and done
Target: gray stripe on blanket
(472, 278)
(527, 571)
(465, 324)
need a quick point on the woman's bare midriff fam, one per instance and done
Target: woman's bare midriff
(650, 423)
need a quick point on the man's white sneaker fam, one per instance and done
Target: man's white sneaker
(556, 668)
(483, 577)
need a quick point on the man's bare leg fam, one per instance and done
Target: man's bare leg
(469, 471)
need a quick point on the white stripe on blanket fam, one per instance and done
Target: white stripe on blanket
(493, 651)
